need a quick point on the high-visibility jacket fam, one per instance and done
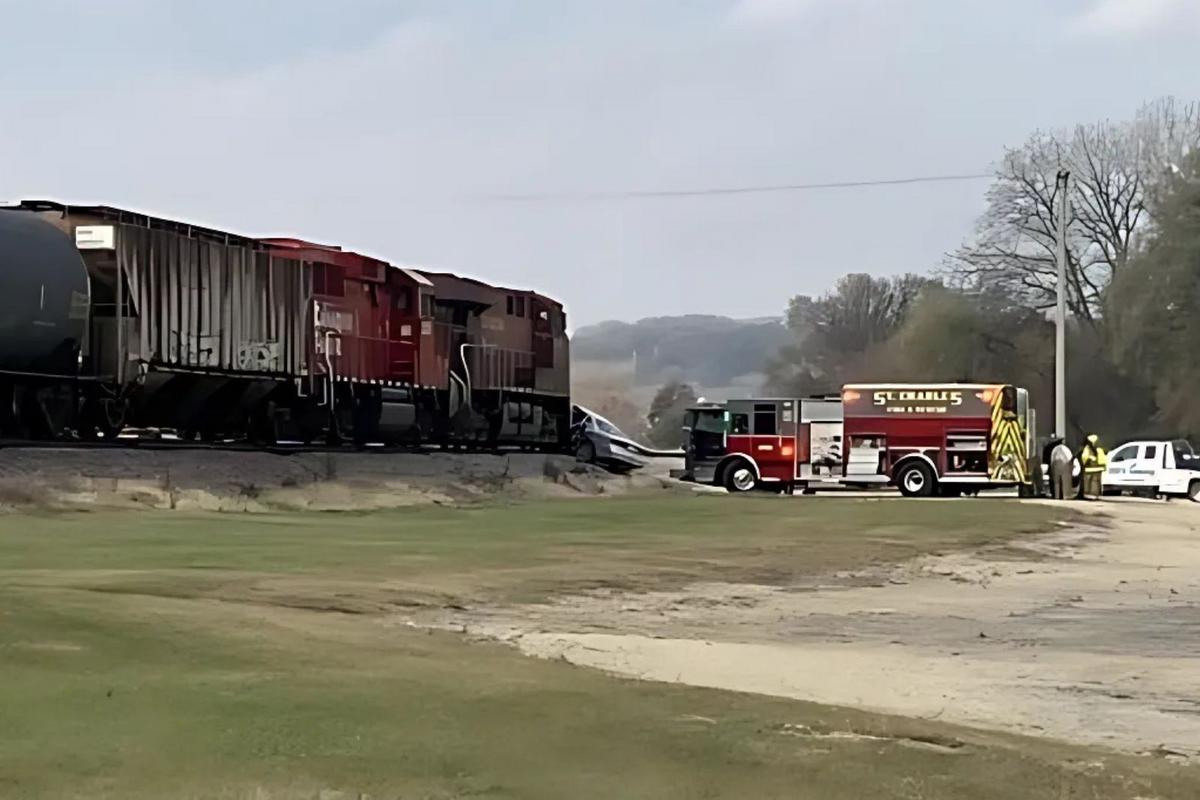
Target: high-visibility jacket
(1093, 458)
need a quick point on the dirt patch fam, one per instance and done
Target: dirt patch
(1090, 634)
(47, 647)
(939, 744)
(248, 481)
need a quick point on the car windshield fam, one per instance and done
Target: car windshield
(604, 426)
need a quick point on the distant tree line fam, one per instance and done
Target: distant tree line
(710, 350)
(1133, 287)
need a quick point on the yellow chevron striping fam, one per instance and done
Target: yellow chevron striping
(1007, 455)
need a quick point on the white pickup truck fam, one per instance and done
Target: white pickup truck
(1167, 468)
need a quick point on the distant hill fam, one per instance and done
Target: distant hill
(704, 349)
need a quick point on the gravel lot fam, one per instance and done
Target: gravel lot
(1090, 634)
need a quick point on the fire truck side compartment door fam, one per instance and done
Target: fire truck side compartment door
(864, 454)
(825, 445)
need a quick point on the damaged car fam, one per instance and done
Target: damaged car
(597, 441)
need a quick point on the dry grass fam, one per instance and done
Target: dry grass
(221, 656)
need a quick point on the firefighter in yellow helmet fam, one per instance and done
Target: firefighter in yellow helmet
(1093, 460)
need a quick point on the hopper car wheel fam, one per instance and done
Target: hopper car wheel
(739, 477)
(264, 426)
(586, 452)
(916, 479)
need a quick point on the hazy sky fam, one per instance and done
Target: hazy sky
(390, 127)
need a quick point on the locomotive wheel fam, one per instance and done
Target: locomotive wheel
(915, 479)
(103, 418)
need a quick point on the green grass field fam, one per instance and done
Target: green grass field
(159, 655)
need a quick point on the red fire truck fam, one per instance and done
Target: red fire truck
(944, 438)
(772, 443)
(925, 439)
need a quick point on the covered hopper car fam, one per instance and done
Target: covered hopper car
(114, 319)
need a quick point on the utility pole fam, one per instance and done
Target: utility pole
(1060, 321)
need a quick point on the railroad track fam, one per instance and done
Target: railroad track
(149, 443)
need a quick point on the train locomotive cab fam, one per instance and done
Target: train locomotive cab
(369, 340)
(505, 360)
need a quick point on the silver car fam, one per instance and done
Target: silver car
(598, 441)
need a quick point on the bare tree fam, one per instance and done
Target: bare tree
(833, 332)
(1168, 133)
(1115, 169)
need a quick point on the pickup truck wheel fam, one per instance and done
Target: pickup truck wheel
(915, 479)
(739, 477)
(586, 452)
(1194, 491)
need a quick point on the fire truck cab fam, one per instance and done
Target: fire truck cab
(775, 443)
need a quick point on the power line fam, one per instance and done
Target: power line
(731, 190)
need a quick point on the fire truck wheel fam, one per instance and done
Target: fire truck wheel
(739, 477)
(915, 479)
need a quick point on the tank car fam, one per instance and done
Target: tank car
(43, 325)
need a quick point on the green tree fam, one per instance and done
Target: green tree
(955, 336)
(1154, 308)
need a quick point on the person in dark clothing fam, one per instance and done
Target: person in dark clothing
(1053, 440)
(1040, 470)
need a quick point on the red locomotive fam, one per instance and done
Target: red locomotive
(121, 319)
